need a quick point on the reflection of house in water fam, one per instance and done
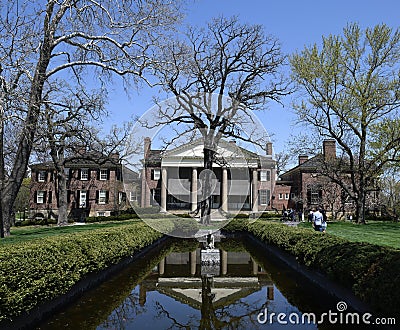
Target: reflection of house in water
(179, 276)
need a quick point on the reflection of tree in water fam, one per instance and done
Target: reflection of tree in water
(237, 315)
(163, 312)
(125, 312)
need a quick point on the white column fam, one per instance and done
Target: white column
(164, 190)
(255, 191)
(161, 266)
(224, 262)
(193, 262)
(193, 192)
(224, 201)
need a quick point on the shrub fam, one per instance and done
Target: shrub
(185, 226)
(36, 271)
(121, 217)
(372, 272)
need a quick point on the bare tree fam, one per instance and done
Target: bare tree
(218, 76)
(40, 41)
(352, 95)
(66, 124)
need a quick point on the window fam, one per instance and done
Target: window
(280, 196)
(314, 194)
(121, 197)
(156, 174)
(40, 197)
(265, 175)
(287, 196)
(102, 197)
(101, 214)
(133, 196)
(103, 174)
(292, 195)
(155, 197)
(84, 174)
(42, 176)
(82, 198)
(264, 197)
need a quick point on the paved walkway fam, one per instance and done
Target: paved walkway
(291, 223)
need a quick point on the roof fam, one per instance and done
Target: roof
(194, 150)
(309, 165)
(90, 159)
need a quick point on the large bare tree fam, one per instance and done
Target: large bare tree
(66, 128)
(75, 39)
(218, 75)
(351, 94)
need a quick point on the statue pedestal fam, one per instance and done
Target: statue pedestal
(210, 262)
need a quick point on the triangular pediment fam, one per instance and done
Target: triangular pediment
(195, 149)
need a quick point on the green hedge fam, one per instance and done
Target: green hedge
(37, 271)
(120, 217)
(372, 272)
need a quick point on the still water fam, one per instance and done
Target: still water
(170, 289)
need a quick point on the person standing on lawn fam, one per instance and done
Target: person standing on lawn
(317, 220)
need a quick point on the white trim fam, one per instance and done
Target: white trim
(102, 172)
(42, 176)
(86, 176)
(40, 194)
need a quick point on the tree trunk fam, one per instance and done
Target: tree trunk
(206, 201)
(207, 310)
(62, 202)
(6, 212)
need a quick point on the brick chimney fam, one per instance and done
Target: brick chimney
(302, 159)
(329, 149)
(268, 148)
(146, 146)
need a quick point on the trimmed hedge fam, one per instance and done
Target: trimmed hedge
(37, 271)
(372, 272)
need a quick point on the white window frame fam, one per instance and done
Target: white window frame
(287, 196)
(263, 195)
(265, 175)
(156, 174)
(120, 197)
(84, 174)
(103, 174)
(42, 176)
(102, 197)
(82, 198)
(40, 196)
(280, 196)
(101, 214)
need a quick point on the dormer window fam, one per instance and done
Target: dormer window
(42, 176)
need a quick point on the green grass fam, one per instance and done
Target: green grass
(374, 232)
(23, 234)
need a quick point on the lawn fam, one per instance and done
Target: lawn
(374, 232)
(23, 234)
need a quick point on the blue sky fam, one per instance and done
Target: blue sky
(296, 23)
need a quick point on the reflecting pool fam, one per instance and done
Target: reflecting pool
(169, 288)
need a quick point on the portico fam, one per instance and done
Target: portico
(175, 180)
